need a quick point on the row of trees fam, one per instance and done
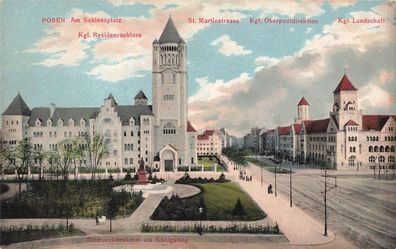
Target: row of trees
(236, 155)
(70, 153)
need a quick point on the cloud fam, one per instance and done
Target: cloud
(309, 30)
(335, 4)
(269, 97)
(229, 47)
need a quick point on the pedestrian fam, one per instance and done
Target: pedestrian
(251, 177)
(270, 189)
(97, 220)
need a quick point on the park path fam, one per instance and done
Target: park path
(297, 226)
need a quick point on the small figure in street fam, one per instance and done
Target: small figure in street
(270, 189)
(97, 220)
(251, 177)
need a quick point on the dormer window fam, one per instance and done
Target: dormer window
(131, 121)
(49, 122)
(60, 122)
(38, 122)
(82, 122)
(71, 122)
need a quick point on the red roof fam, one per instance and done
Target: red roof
(302, 101)
(345, 85)
(284, 130)
(190, 128)
(297, 128)
(209, 132)
(375, 122)
(202, 137)
(316, 126)
(351, 123)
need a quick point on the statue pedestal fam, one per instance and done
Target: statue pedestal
(142, 179)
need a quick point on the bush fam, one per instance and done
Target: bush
(186, 179)
(238, 209)
(195, 228)
(128, 177)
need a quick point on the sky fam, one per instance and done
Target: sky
(239, 75)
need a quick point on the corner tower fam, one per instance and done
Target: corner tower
(170, 96)
(345, 105)
(302, 111)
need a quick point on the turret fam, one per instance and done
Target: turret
(302, 110)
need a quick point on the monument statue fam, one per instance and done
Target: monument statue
(142, 178)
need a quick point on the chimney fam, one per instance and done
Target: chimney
(52, 109)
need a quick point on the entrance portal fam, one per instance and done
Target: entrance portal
(168, 165)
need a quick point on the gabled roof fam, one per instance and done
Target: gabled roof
(170, 34)
(375, 122)
(190, 128)
(125, 112)
(62, 113)
(209, 132)
(140, 95)
(316, 126)
(202, 137)
(351, 123)
(345, 85)
(297, 128)
(284, 130)
(111, 97)
(302, 101)
(17, 107)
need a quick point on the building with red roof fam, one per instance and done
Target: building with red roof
(346, 140)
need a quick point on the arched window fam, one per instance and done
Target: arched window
(169, 129)
(391, 159)
(370, 148)
(372, 159)
(381, 159)
(351, 161)
(381, 148)
(387, 149)
(376, 149)
(392, 148)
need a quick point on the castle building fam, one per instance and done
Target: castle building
(160, 133)
(347, 139)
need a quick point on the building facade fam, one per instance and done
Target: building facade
(211, 142)
(346, 140)
(160, 133)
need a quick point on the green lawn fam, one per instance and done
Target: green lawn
(219, 199)
(267, 167)
(209, 164)
(55, 199)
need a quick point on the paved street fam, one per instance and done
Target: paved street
(360, 208)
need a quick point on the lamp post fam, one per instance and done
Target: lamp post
(200, 220)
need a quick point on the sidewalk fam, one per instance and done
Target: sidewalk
(297, 226)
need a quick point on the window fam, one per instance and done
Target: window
(351, 161)
(370, 148)
(381, 159)
(126, 161)
(391, 159)
(169, 97)
(107, 120)
(125, 133)
(372, 159)
(131, 133)
(130, 160)
(169, 129)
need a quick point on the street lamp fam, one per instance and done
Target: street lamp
(200, 220)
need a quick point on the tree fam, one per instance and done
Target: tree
(69, 203)
(78, 152)
(97, 148)
(238, 209)
(112, 207)
(23, 156)
(65, 157)
(52, 159)
(39, 156)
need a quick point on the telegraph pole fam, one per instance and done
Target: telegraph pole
(275, 179)
(327, 188)
(291, 189)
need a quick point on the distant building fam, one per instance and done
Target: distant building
(252, 140)
(211, 142)
(348, 139)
